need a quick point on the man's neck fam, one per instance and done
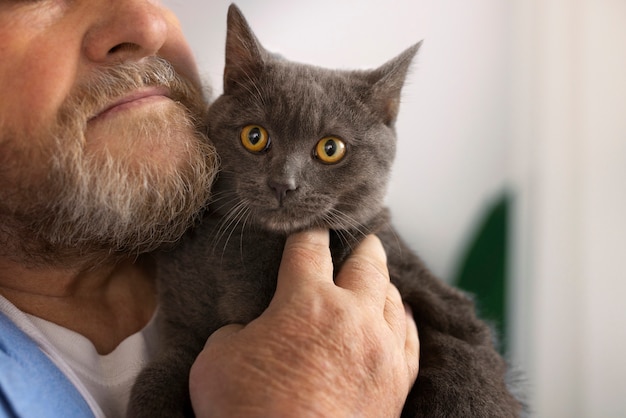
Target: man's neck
(106, 303)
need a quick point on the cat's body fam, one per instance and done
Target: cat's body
(307, 147)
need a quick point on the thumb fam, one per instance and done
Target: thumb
(224, 333)
(306, 260)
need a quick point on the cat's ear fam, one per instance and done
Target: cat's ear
(387, 82)
(244, 53)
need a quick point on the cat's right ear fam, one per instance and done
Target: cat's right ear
(387, 82)
(244, 53)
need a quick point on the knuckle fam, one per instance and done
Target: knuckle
(393, 294)
(362, 266)
(306, 258)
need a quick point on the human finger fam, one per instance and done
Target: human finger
(306, 259)
(224, 332)
(365, 270)
(394, 311)
(412, 344)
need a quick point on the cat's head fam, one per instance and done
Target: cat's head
(302, 146)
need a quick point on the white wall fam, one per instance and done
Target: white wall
(569, 130)
(453, 121)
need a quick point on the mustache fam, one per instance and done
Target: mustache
(110, 84)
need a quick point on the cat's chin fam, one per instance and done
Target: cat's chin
(290, 220)
(287, 226)
(283, 223)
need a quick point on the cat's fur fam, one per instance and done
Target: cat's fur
(225, 270)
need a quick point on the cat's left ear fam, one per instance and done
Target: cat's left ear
(244, 53)
(387, 82)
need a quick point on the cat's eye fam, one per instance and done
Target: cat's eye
(330, 150)
(255, 138)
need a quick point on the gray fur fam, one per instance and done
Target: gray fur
(225, 270)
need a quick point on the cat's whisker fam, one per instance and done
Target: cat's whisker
(352, 224)
(243, 227)
(230, 217)
(232, 220)
(224, 202)
(242, 210)
(342, 234)
(218, 195)
(227, 221)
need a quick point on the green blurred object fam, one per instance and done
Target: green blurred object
(483, 270)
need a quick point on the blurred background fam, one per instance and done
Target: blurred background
(510, 179)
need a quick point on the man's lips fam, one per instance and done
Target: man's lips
(134, 99)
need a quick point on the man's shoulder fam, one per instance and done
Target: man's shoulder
(30, 384)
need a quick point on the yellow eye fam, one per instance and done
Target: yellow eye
(255, 138)
(330, 150)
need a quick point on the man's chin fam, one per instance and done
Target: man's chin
(126, 181)
(99, 205)
(137, 218)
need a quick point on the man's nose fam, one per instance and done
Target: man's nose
(125, 30)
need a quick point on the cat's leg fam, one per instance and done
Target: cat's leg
(461, 373)
(458, 378)
(162, 388)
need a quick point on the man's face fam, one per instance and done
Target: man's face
(100, 116)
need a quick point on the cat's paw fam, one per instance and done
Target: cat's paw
(161, 390)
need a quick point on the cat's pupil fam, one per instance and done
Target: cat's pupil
(330, 148)
(254, 136)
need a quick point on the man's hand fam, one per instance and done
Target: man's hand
(322, 348)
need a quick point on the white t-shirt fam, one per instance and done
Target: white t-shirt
(103, 380)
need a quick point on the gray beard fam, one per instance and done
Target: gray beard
(92, 206)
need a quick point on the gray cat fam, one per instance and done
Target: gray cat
(304, 147)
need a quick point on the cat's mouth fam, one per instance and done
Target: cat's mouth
(252, 206)
(287, 221)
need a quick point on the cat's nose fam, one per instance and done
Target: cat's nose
(281, 188)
